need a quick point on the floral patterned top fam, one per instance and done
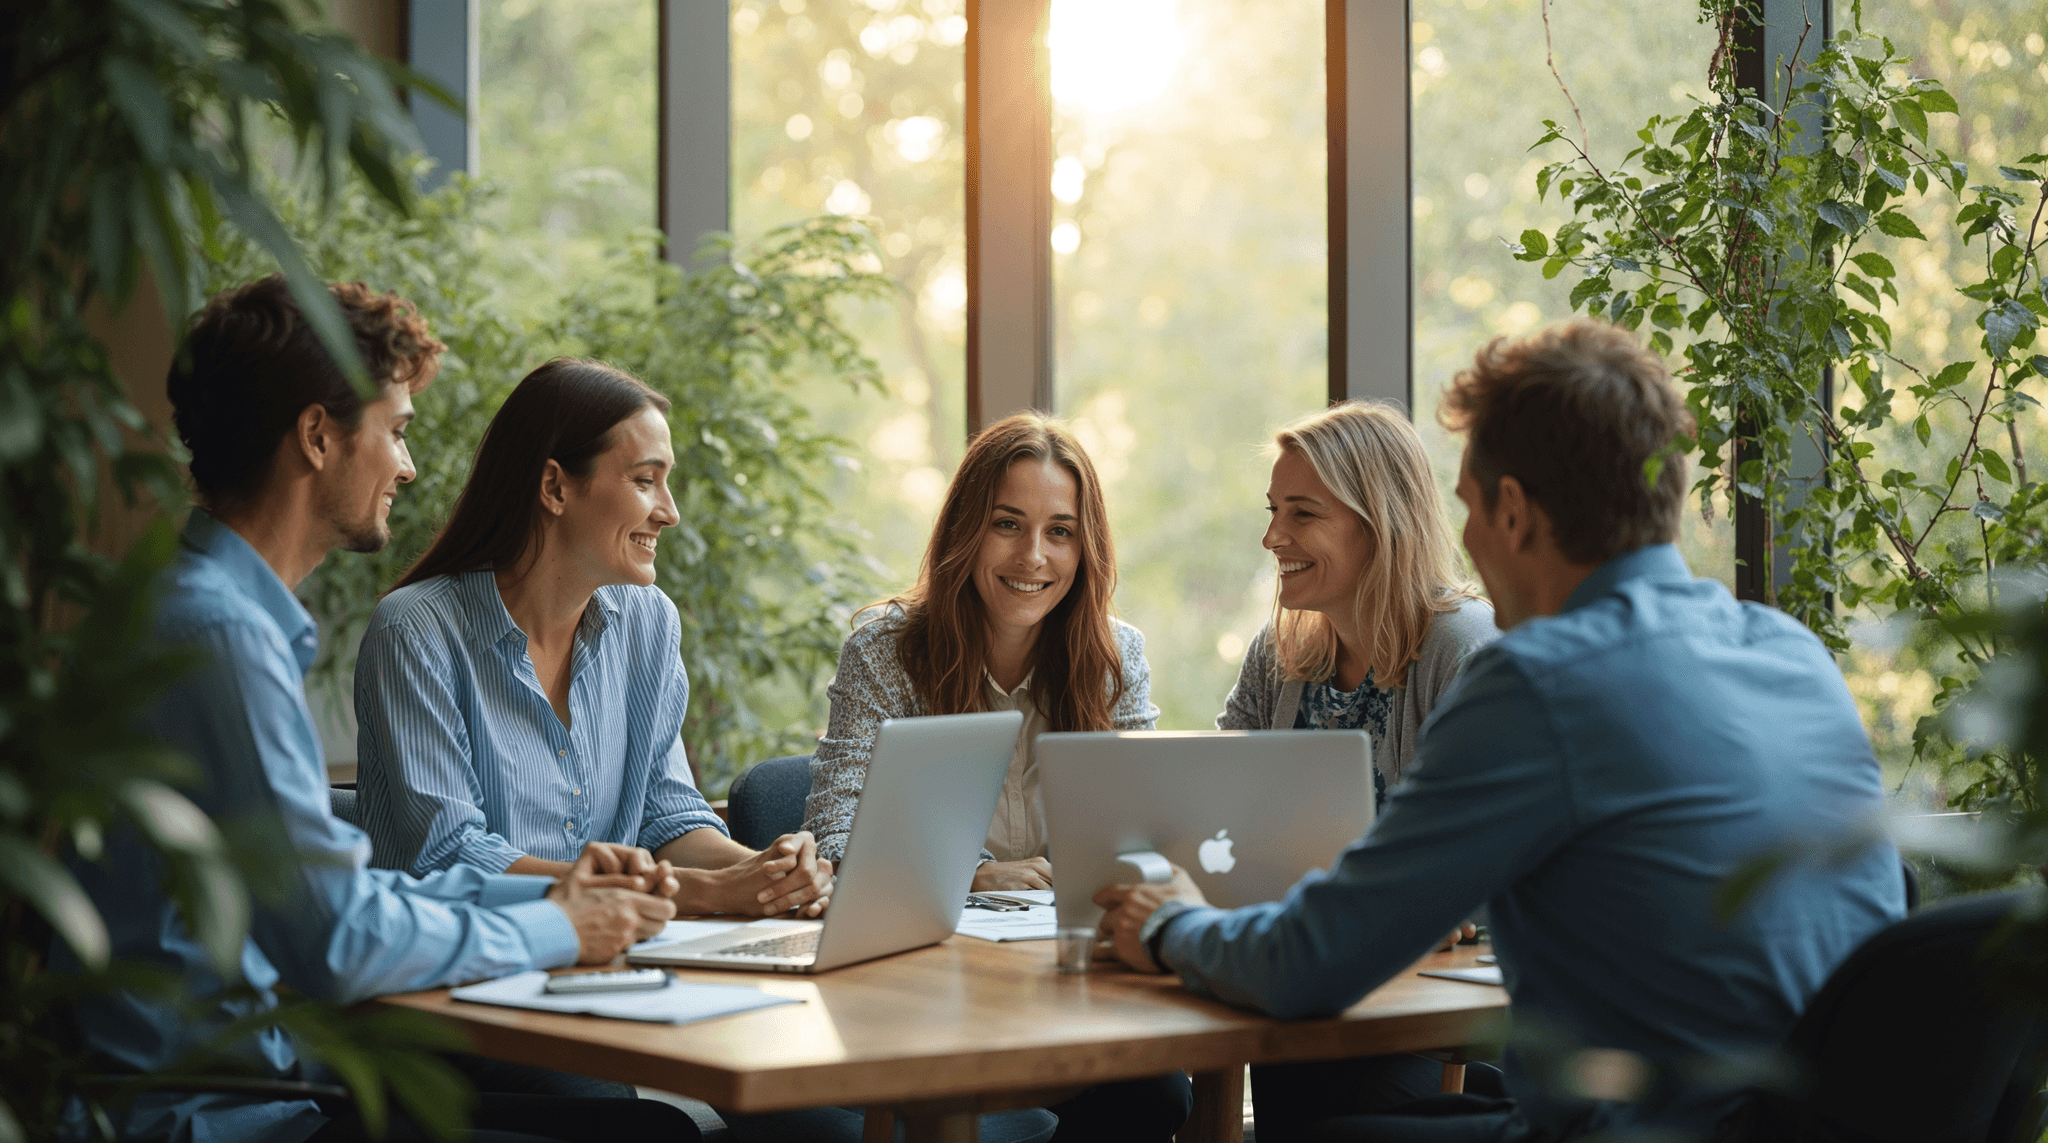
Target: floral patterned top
(1324, 707)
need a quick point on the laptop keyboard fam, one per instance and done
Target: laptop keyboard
(804, 943)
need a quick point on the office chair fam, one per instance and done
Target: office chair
(1911, 1041)
(343, 801)
(767, 800)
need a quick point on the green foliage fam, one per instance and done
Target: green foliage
(122, 125)
(765, 576)
(1767, 257)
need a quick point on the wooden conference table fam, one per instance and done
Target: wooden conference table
(935, 1035)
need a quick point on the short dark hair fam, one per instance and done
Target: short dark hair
(564, 411)
(1576, 413)
(251, 364)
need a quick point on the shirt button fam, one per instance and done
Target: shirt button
(568, 825)
(561, 753)
(577, 793)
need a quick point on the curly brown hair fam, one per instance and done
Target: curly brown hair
(251, 364)
(1587, 420)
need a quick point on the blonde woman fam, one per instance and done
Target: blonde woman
(1373, 616)
(1372, 622)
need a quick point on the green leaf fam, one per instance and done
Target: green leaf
(1953, 374)
(1843, 216)
(1587, 290)
(1994, 464)
(1922, 430)
(2019, 175)
(1536, 243)
(1898, 225)
(52, 892)
(1911, 118)
(1986, 510)
(1936, 100)
(2003, 326)
(1875, 265)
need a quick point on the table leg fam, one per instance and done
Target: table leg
(941, 1121)
(1219, 1108)
(879, 1126)
(1453, 1078)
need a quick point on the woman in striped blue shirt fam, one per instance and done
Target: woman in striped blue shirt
(519, 693)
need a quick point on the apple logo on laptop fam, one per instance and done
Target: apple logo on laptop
(1215, 853)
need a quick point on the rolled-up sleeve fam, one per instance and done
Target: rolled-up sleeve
(422, 803)
(674, 806)
(1495, 772)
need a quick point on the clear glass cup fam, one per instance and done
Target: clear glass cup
(1075, 949)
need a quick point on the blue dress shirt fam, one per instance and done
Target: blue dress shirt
(462, 759)
(1594, 777)
(335, 931)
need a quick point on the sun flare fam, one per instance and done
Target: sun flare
(1110, 55)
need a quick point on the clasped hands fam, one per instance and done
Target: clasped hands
(618, 895)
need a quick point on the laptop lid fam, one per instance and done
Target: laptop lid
(1245, 812)
(924, 811)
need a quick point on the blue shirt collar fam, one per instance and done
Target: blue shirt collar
(1652, 561)
(489, 623)
(257, 580)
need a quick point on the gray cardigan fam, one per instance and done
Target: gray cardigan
(1265, 700)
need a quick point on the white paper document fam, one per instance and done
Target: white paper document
(1038, 923)
(1484, 974)
(679, 1003)
(676, 931)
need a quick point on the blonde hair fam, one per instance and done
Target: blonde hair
(1372, 461)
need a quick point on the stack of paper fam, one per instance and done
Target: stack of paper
(1038, 923)
(679, 1003)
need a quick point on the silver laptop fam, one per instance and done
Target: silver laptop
(1245, 812)
(924, 811)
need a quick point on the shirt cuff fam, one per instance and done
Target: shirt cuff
(483, 849)
(1155, 927)
(550, 938)
(1173, 937)
(502, 889)
(661, 831)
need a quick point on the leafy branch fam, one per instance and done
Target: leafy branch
(1759, 252)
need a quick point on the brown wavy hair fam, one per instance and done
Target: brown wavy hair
(943, 639)
(251, 364)
(1586, 418)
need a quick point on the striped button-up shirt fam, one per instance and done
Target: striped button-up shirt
(462, 760)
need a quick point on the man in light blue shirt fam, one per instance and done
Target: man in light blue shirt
(1593, 777)
(290, 463)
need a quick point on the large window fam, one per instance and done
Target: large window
(855, 108)
(1190, 281)
(566, 126)
(1481, 88)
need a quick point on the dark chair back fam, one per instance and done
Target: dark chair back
(1912, 1041)
(343, 800)
(767, 800)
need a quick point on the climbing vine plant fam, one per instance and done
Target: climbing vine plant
(1761, 243)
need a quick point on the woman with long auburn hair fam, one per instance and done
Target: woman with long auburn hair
(1373, 617)
(1010, 612)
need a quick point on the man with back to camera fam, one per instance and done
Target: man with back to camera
(1593, 777)
(290, 463)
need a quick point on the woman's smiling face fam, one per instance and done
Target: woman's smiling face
(1031, 546)
(1320, 544)
(613, 520)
